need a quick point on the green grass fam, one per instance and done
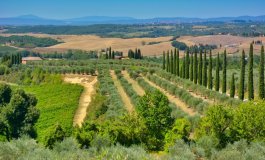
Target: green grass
(7, 49)
(57, 104)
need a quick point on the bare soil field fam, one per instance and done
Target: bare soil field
(88, 82)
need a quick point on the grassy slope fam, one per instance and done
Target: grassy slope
(57, 104)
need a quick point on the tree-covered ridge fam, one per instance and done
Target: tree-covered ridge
(147, 30)
(28, 41)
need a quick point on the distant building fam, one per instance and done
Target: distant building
(27, 59)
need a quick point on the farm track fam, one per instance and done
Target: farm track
(88, 82)
(139, 90)
(125, 98)
(196, 95)
(183, 106)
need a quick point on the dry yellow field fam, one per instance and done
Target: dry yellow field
(92, 42)
(233, 44)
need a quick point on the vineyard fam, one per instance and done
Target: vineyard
(141, 108)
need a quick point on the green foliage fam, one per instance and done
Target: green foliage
(261, 75)
(55, 136)
(204, 69)
(224, 73)
(28, 41)
(241, 90)
(154, 108)
(195, 68)
(210, 77)
(216, 123)
(164, 60)
(52, 110)
(248, 122)
(18, 113)
(180, 45)
(250, 74)
(217, 78)
(233, 124)
(232, 86)
(200, 69)
(181, 130)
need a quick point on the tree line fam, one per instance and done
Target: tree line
(198, 68)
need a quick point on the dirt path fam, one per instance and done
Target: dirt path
(139, 90)
(191, 92)
(126, 100)
(173, 99)
(88, 83)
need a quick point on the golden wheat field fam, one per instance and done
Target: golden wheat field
(233, 44)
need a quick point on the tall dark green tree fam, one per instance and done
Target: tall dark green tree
(250, 74)
(184, 67)
(177, 62)
(241, 91)
(167, 61)
(110, 52)
(232, 86)
(200, 69)
(171, 62)
(191, 67)
(210, 77)
(224, 73)
(261, 75)
(217, 78)
(195, 67)
(204, 75)
(164, 60)
(187, 64)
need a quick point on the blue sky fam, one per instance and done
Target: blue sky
(62, 9)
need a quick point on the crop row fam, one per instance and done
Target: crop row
(196, 103)
(115, 106)
(188, 85)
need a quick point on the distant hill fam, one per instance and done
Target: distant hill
(35, 20)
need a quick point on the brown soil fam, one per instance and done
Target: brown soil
(88, 82)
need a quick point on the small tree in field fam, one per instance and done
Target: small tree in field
(154, 108)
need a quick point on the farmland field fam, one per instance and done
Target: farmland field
(151, 80)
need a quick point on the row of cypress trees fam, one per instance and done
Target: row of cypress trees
(199, 70)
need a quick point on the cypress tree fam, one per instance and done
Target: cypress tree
(242, 77)
(191, 67)
(113, 55)
(177, 62)
(171, 62)
(187, 64)
(232, 86)
(250, 74)
(167, 62)
(200, 69)
(195, 66)
(164, 60)
(210, 77)
(261, 74)
(181, 71)
(204, 75)
(224, 73)
(107, 55)
(184, 67)
(217, 82)
(110, 52)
